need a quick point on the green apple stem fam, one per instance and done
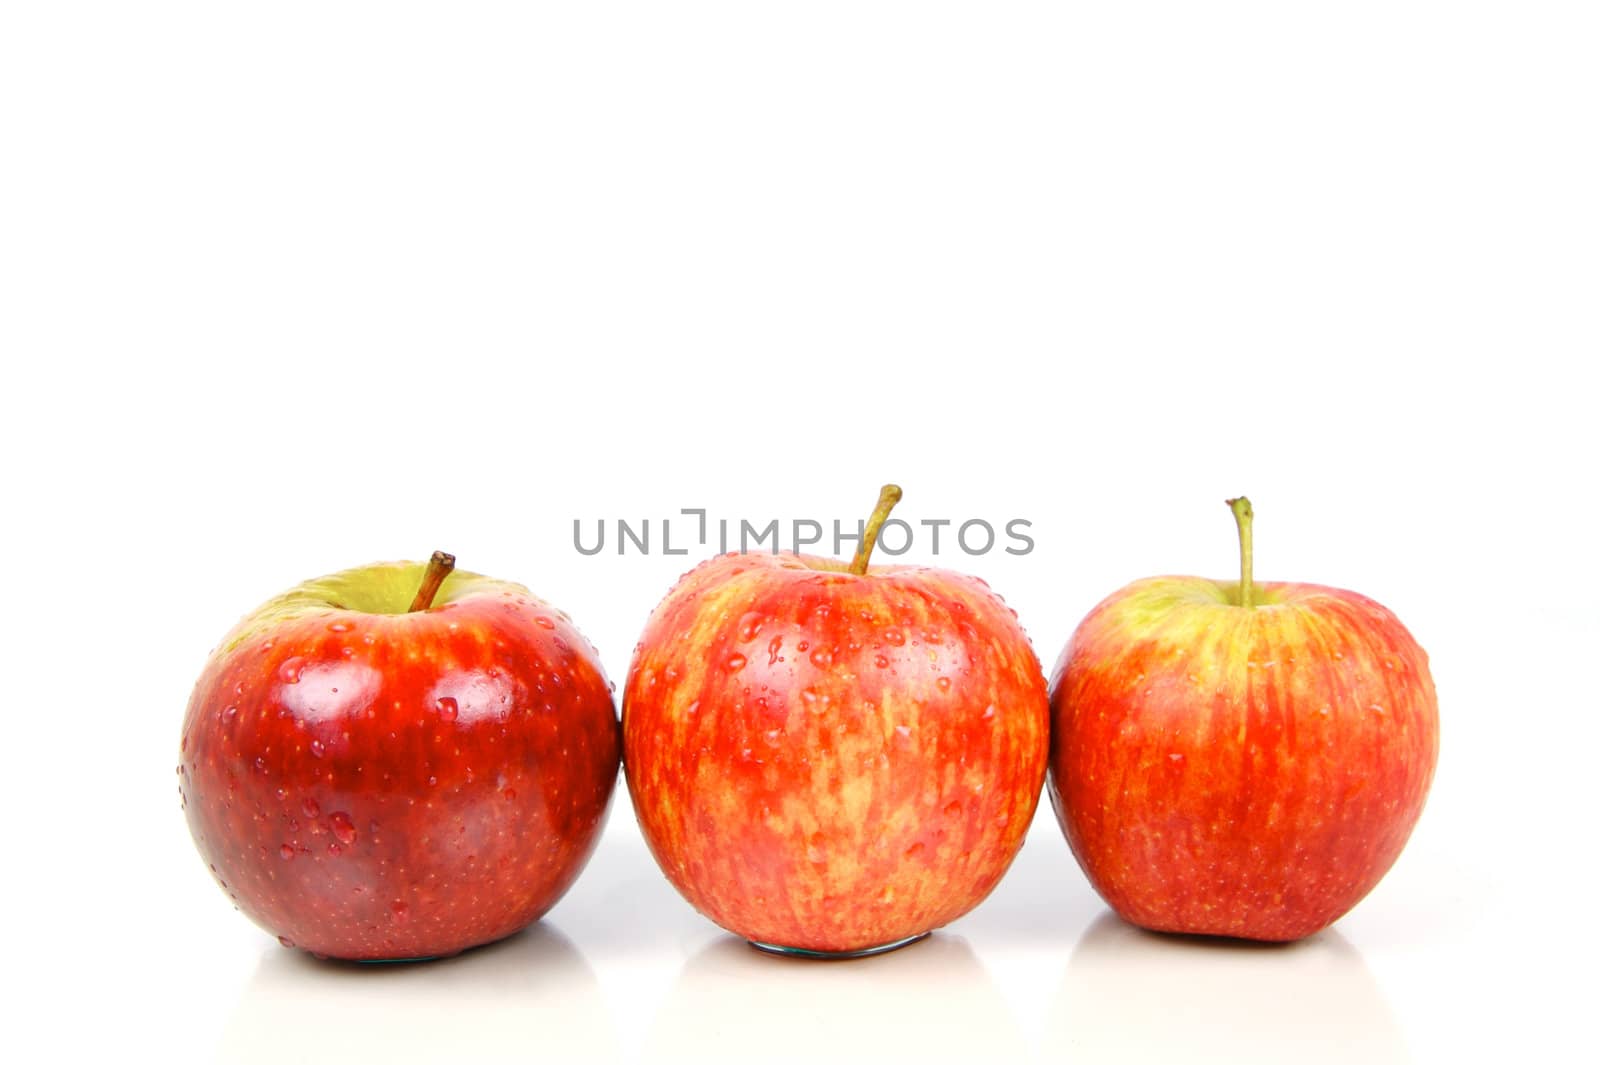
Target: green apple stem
(887, 498)
(439, 567)
(1245, 517)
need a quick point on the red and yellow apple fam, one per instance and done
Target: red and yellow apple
(399, 761)
(833, 758)
(1239, 759)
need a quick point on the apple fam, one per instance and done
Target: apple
(399, 761)
(833, 758)
(1239, 759)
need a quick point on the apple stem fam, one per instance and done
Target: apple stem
(1244, 516)
(888, 496)
(439, 567)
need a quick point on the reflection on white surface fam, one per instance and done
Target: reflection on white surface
(1131, 995)
(531, 996)
(931, 1001)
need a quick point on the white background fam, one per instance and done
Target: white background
(286, 288)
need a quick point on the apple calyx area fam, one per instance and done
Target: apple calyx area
(1244, 515)
(439, 567)
(888, 496)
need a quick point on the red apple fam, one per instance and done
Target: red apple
(1239, 759)
(399, 761)
(829, 758)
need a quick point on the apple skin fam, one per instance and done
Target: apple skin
(833, 763)
(1232, 771)
(383, 785)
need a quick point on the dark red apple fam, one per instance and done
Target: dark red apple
(828, 758)
(1240, 759)
(399, 761)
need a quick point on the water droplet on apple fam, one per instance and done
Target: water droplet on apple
(881, 662)
(895, 637)
(285, 941)
(447, 707)
(509, 794)
(822, 658)
(750, 627)
(773, 736)
(773, 648)
(343, 829)
(317, 748)
(291, 669)
(400, 910)
(943, 684)
(816, 702)
(340, 626)
(734, 663)
(310, 808)
(286, 852)
(260, 764)
(229, 713)
(902, 736)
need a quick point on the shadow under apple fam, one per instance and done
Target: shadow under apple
(531, 995)
(1132, 995)
(930, 1001)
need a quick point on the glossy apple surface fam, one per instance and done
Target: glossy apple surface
(1231, 770)
(830, 762)
(371, 783)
